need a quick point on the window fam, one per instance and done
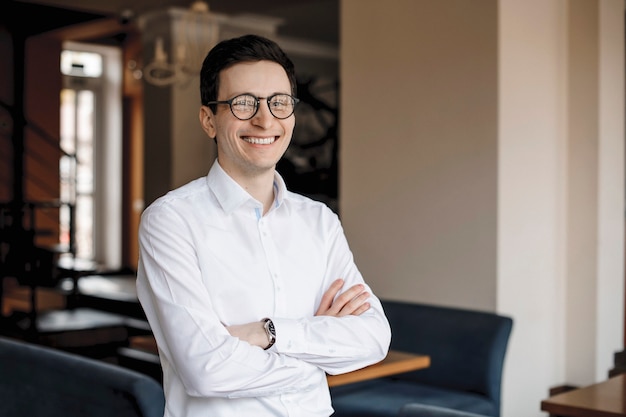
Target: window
(77, 171)
(90, 167)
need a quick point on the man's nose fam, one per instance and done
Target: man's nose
(263, 116)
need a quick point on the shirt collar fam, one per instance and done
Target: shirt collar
(231, 195)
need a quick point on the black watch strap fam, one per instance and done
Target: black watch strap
(268, 325)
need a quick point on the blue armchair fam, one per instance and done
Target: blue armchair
(44, 382)
(467, 350)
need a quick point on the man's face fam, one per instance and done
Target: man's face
(251, 147)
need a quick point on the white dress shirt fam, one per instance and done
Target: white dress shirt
(209, 258)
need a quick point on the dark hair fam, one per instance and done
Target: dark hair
(247, 48)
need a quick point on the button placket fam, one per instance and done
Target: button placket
(271, 255)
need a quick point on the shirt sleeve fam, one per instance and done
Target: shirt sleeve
(337, 344)
(191, 338)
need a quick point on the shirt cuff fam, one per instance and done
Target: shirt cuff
(290, 336)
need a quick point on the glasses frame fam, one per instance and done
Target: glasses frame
(258, 104)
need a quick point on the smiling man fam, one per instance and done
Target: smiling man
(251, 290)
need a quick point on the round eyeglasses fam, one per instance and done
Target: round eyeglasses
(245, 106)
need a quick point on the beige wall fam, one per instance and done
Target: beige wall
(498, 181)
(418, 181)
(582, 184)
(611, 188)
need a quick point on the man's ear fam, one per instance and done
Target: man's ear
(207, 121)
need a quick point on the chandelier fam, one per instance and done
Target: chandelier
(195, 32)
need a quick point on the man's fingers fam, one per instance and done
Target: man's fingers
(362, 309)
(328, 297)
(349, 295)
(356, 306)
(353, 301)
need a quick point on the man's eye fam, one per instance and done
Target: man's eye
(280, 101)
(244, 101)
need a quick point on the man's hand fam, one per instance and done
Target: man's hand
(352, 302)
(253, 333)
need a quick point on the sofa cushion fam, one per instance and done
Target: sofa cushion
(424, 410)
(385, 397)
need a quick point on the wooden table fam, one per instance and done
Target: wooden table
(395, 363)
(604, 399)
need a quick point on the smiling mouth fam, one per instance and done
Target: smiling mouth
(260, 141)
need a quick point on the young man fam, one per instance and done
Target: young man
(251, 290)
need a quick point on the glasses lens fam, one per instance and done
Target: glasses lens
(281, 105)
(244, 106)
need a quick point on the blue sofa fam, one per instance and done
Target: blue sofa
(39, 381)
(467, 350)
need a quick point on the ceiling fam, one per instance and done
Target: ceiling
(316, 20)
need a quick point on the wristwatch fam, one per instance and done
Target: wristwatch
(268, 325)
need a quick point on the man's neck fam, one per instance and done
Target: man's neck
(259, 185)
(261, 188)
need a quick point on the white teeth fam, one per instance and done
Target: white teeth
(260, 141)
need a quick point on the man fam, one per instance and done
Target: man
(251, 290)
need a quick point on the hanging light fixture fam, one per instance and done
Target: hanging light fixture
(196, 31)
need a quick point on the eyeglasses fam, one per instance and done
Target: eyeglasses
(245, 106)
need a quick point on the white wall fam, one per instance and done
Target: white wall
(561, 224)
(532, 197)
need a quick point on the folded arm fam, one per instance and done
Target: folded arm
(351, 302)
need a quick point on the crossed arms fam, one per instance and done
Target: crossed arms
(351, 302)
